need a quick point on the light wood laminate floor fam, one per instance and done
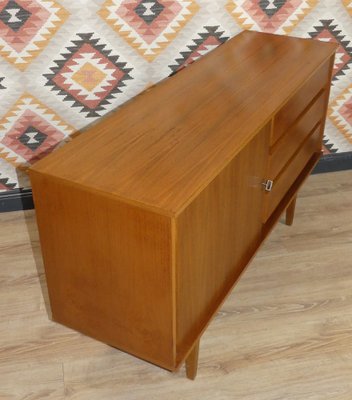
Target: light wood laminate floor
(285, 333)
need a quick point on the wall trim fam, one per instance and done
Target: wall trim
(16, 199)
(22, 199)
(334, 162)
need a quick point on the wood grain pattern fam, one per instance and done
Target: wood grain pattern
(290, 194)
(192, 362)
(286, 178)
(327, 94)
(286, 327)
(295, 135)
(147, 225)
(286, 117)
(180, 139)
(109, 269)
(290, 212)
(216, 235)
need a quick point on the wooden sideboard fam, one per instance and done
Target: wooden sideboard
(148, 219)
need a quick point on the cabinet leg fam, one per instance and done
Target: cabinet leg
(192, 362)
(290, 211)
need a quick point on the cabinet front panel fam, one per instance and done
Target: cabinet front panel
(287, 177)
(296, 105)
(108, 267)
(295, 136)
(216, 236)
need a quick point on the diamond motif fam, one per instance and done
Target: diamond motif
(210, 38)
(340, 113)
(89, 75)
(14, 16)
(32, 138)
(26, 27)
(279, 16)
(329, 31)
(148, 25)
(29, 131)
(149, 10)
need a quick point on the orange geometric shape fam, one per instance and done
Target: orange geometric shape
(26, 28)
(149, 26)
(348, 5)
(269, 15)
(340, 113)
(29, 131)
(89, 76)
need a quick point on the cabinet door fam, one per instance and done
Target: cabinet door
(217, 235)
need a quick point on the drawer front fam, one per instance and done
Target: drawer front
(296, 105)
(287, 177)
(283, 151)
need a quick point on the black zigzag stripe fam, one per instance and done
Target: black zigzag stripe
(5, 183)
(328, 24)
(86, 38)
(329, 146)
(209, 31)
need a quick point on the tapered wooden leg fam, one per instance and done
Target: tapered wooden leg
(290, 211)
(192, 362)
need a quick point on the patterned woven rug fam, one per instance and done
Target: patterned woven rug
(63, 66)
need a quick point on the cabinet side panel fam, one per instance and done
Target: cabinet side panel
(216, 236)
(108, 268)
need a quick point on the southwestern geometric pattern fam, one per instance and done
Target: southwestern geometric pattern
(148, 25)
(279, 16)
(328, 30)
(64, 64)
(6, 185)
(14, 16)
(26, 28)
(328, 147)
(348, 5)
(340, 112)
(209, 39)
(89, 75)
(29, 131)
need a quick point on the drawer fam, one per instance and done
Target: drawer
(296, 105)
(290, 173)
(287, 146)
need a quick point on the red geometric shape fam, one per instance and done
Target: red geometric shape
(210, 37)
(31, 119)
(346, 111)
(149, 32)
(62, 82)
(329, 31)
(20, 39)
(342, 57)
(26, 28)
(267, 22)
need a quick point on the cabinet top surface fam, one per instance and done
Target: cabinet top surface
(163, 147)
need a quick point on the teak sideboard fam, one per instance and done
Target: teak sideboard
(148, 218)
